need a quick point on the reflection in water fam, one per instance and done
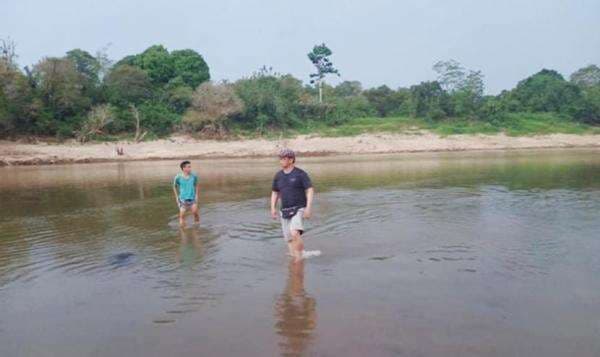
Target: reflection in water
(191, 248)
(295, 313)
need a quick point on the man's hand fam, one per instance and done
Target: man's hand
(274, 213)
(307, 213)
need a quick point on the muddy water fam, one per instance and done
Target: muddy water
(477, 254)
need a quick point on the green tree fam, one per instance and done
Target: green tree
(89, 67)
(17, 101)
(183, 66)
(190, 67)
(158, 63)
(388, 102)
(348, 89)
(127, 85)
(429, 100)
(319, 56)
(465, 86)
(270, 100)
(61, 88)
(547, 91)
(85, 63)
(590, 113)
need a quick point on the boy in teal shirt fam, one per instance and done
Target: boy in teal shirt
(186, 187)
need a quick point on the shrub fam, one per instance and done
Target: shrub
(270, 100)
(212, 105)
(157, 118)
(97, 119)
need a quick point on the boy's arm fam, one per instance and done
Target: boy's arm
(310, 192)
(274, 199)
(176, 194)
(175, 190)
(197, 190)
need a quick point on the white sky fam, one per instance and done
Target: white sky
(375, 41)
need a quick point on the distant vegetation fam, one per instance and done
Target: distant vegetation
(157, 92)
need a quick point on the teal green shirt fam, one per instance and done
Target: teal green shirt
(186, 186)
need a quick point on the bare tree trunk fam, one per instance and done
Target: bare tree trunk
(138, 129)
(320, 91)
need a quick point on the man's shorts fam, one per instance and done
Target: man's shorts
(295, 223)
(186, 204)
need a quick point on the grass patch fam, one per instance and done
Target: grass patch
(359, 126)
(520, 124)
(513, 124)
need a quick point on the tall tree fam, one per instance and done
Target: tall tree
(465, 87)
(319, 56)
(453, 77)
(190, 67)
(61, 88)
(85, 63)
(547, 91)
(587, 76)
(8, 53)
(127, 85)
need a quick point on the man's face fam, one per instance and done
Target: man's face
(285, 162)
(187, 169)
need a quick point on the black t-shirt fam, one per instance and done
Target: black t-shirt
(292, 187)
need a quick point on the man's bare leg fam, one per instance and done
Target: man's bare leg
(196, 213)
(298, 245)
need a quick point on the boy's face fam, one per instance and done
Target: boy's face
(285, 162)
(187, 169)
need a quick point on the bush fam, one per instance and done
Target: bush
(269, 101)
(157, 118)
(429, 100)
(97, 119)
(347, 108)
(548, 91)
(212, 105)
(388, 102)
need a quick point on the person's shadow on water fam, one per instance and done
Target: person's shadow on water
(295, 313)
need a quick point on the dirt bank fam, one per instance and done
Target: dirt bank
(178, 147)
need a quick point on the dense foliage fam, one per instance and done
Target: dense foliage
(159, 92)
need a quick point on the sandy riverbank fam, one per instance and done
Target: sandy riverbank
(178, 147)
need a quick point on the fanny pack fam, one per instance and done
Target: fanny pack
(289, 212)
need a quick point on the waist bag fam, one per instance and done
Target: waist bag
(289, 212)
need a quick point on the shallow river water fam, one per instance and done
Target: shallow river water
(455, 254)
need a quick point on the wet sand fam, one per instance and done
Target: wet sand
(179, 147)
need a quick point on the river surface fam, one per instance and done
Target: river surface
(455, 254)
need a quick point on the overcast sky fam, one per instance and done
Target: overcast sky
(374, 41)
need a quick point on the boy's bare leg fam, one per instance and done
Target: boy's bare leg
(196, 213)
(290, 248)
(182, 216)
(298, 245)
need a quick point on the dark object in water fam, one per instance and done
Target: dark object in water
(381, 257)
(121, 259)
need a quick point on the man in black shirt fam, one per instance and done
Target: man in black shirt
(292, 185)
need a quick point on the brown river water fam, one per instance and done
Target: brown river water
(449, 254)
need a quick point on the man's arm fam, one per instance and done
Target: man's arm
(274, 199)
(310, 193)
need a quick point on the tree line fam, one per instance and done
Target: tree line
(159, 92)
